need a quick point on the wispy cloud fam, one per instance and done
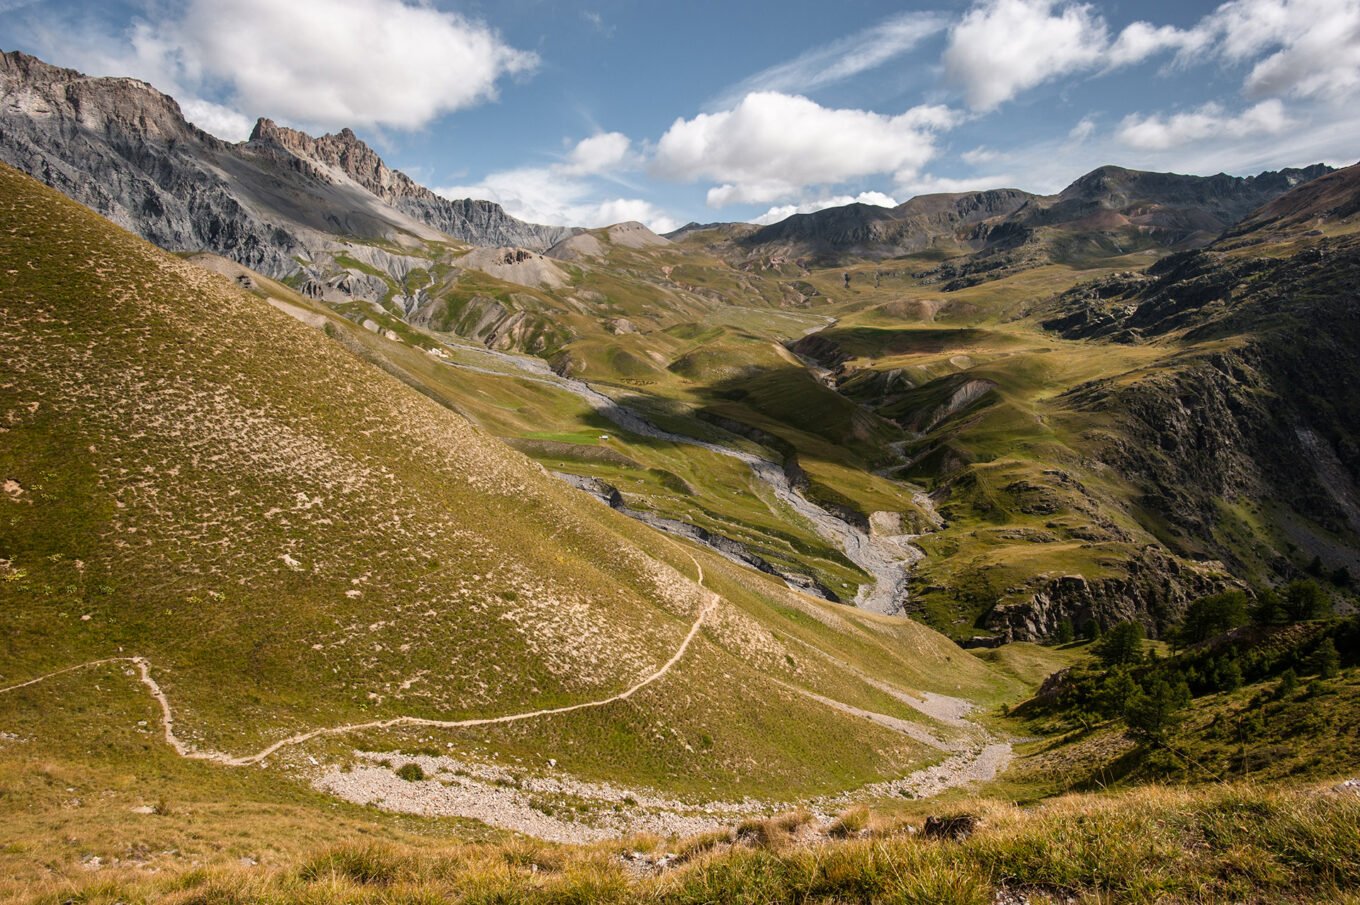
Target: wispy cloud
(569, 192)
(8, 6)
(840, 60)
(597, 22)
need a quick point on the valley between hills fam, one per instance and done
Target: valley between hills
(361, 545)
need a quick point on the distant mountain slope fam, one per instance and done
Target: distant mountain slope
(125, 150)
(866, 230)
(1109, 211)
(1168, 209)
(1107, 443)
(1241, 443)
(1333, 200)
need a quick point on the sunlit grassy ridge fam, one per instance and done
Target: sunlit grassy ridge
(294, 539)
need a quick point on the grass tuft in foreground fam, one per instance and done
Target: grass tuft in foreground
(1222, 844)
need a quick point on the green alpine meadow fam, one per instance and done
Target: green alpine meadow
(944, 514)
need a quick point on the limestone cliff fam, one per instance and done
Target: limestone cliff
(125, 150)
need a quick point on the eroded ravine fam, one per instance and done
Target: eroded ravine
(887, 559)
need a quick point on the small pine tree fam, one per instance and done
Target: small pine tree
(1065, 633)
(1123, 644)
(1113, 695)
(1153, 713)
(1342, 577)
(1230, 675)
(1092, 631)
(1304, 600)
(1289, 684)
(1211, 616)
(1315, 567)
(1269, 608)
(1325, 662)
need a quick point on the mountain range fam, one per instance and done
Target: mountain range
(907, 383)
(276, 203)
(1109, 210)
(335, 510)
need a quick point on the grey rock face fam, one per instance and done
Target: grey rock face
(1155, 592)
(124, 149)
(469, 220)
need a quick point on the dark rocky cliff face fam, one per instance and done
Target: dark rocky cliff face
(124, 149)
(1155, 593)
(1259, 413)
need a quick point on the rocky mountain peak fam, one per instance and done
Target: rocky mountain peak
(343, 151)
(633, 234)
(32, 88)
(1333, 197)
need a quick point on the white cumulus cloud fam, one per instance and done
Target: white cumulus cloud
(568, 193)
(1003, 47)
(1158, 133)
(773, 146)
(314, 63)
(784, 211)
(347, 62)
(601, 154)
(1313, 45)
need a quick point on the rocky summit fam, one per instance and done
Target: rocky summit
(124, 149)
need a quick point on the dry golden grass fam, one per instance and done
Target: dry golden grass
(1224, 844)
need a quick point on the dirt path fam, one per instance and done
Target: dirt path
(510, 799)
(969, 761)
(185, 750)
(896, 724)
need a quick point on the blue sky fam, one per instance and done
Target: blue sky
(596, 112)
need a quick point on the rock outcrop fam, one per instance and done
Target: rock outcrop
(469, 220)
(125, 150)
(1154, 591)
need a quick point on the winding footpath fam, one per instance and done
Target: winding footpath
(888, 560)
(980, 758)
(227, 760)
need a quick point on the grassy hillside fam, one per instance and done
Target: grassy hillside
(288, 538)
